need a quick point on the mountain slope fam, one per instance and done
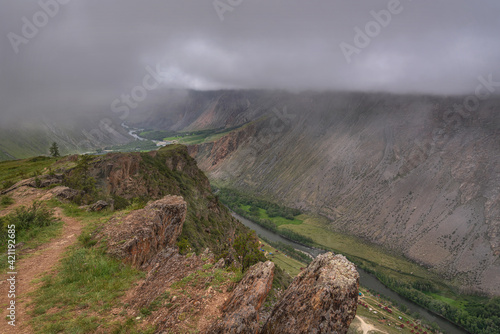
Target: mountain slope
(81, 134)
(407, 172)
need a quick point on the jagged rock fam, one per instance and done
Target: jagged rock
(43, 181)
(220, 264)
(142, 234)
(241, 309)
(321, 299)
(35, 182)
(207, 255)
(98, 206)
(65, 193)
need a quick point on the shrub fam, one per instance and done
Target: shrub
(7, 184)
(6, 200)
(79, 179)
(29, 222)
(24, 218)
(246, 246)
(120, 202)
(184, 246)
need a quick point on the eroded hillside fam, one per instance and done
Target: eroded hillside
(406, 172)
(96, 258)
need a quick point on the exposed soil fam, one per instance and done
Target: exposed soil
(24, 196)
(41, 261)
(366, 327)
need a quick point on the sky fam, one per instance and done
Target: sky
(73, 56)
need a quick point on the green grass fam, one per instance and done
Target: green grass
(316, 228)
(88, 284)
(134, 146)
(291, 266)
(278, 220)
(205, 278)
(34, 226)
(6, 201)
(408, 279)
(203, 136)
(17, 170)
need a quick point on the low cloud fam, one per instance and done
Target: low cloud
(87, 53)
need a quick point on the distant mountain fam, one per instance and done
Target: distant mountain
(419, 175)
(80, 134)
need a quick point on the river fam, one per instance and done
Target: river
(367, 280)
(133, 131)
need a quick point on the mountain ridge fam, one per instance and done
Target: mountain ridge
(372, 163)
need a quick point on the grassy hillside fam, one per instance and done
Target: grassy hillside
(90, 286)
(83, 133)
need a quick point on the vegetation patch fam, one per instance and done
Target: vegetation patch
(254, 209)
(289, 251)
(192, 137)
(80, 296)
(406, 278)
(258, 209)
(34, 226)
(399, 274)
(79, 179)
(16, 170)
(6, 201)
(134, 146)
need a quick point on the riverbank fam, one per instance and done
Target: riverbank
(367, 280)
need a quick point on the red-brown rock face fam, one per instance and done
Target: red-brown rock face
(139, 236)
(241, 309)
(321, 299)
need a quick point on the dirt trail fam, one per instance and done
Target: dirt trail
(366, 327)
(38, 263)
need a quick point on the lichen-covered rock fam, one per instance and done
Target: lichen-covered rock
(35, 182)
(65, 193)
(220, 264)
(140, 235)
(43, 181)
(98, 206)
(240, 312)
(321, 299)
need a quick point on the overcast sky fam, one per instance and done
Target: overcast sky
(92, 51)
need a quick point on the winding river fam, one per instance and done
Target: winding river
(367, 280)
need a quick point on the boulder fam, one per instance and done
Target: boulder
(65, 193)
(240, 311)
(98, 206)
(220, 264)
(142, 234)
(321, 299)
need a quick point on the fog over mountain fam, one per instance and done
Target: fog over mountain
(73, 57)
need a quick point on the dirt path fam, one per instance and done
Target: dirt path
(366, 327)
(43, 260)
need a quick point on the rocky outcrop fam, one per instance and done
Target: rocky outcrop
(321, 299)
(98, 206)
(141, 235)
(65, 193)
(210, 154)
(241, 309)
(35, 182)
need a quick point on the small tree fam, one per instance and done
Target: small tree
(246, 246)
(54, 150)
